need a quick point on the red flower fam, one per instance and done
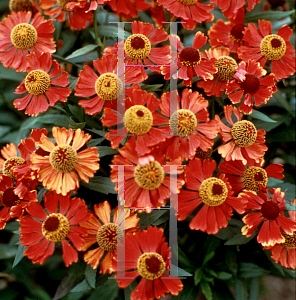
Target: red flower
(157, 14)
(262, 46)
(24, 5)
(128, 8)
(93, 4)
(242, 141)
(44, 88)
(214, 193)
(269, 212)
(190, 11)
(147, 255)
(19, 35)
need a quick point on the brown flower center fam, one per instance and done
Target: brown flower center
(150, 176)
(199, 153)
(138, 119)
(270, 210)
(183, 122)
(9, 198)
(108, 86)
(244, 133)
(254, 177)
(189, 57)
(10, 163)
(188, 2)
(63, 158)
(137, 46)
(63, 3)
(273, 47)
(20, 5)
(151, 265)
(23, 36)
(236, 33)
(56, 227)
(107, 236)
(213, 191)
(226, 66)
(290, 240)
(37, 82)
(251, 84)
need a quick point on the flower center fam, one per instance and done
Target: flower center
(189, 57)
(273, 47)
(63, 158)
(251, 84)
(254, 177)
(150, 176)
(108, 86)
(137, 46)
(23, 36)
(107, 236)
(183, 121)
(244, 133)
(290, 240)
(9, 198)
(213, 191)
(56, 227)
(270, 210)
(236, 33)
(63, 3)
(37, 82)
(138, 119)
(199, 153)
(151, 265)
(188, 2)
(226, 66)
(10, 163)
(20, 5)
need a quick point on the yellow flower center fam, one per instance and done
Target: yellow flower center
(107, 236)
(56, 227)
(63, 158)
(150, 176)
(9, 198)
(108, 86)
(203, 154)
(254, 177)
(183, 122)
(188, 2)
(37, 82)
(137, 46)
(213, 191)
(138, 119)
(244, 133)
(23, 36)
(189, 57)
(226, 66)
(290, 240)
(63, 3)
(20, 5)
(151, 265)
(273, 47)
(10, 163)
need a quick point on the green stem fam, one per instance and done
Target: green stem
(96, 27)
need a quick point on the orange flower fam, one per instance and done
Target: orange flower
(106, 235)
(19, 35)
(24, 5)
(59, 164)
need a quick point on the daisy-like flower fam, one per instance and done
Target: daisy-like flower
(214, 194)
(262, 46)
(190, 125)
(147, 255)
(77, 11)
(190, 11)
(146, 180)
(59, 164)
(104, 232)
(190, 61)
(140, 120)
(23, 5)
(157, 14)
(226, 67)
(128, 8)
(20, 35)
(251, 88)
(107, 87)
(242, 141)
(269, 213)
(250, 177)
(43, 88)
(93, 4)
(41, 229)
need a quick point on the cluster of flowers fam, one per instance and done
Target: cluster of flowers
(158, 138)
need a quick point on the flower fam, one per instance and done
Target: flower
(214, 193)
(77, 11)
(145, 182)
(190, 11)
(59, 164)
(43, 88)
(147, 256)
(250, 177)
(107, 87)
(23, 5)
(41, 228)
(128, 8)
(19, 35)
(262, 46)
(242, 141)
(106, 235)
(269, 213)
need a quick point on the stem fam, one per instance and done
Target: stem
(96, 27)
(65, 60)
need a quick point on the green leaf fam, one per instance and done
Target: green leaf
(208, 257)
(19, 254)
(240, 290)
(7, 251)
(206, 289)
(129, 289)
(259, 115)
(290, 206)
(11, 74)
(182, 272)
(151, 87)
(248, 270)
(239, 239)
(283, 102)
(162, 219)
(223, 275)
(105, 150)
(146, 219)
(254, 289)
(111, 31)
(198, 276)
(268, 15)
(95, 142)
(90, 275)
(100, 184)
(108, 291)
(74, 125)
(82, 51)
(82, 286)
(225, 233)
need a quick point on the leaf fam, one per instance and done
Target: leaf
(100, 184)
(181, 272)
(129, 289)
(108, 291)
(82, 286)
(90, 275)
(81, 51)
(283, 102)
(19, 254)
(198, 276)
(162, 219)
(208, 257)
(74, 125)
(7, 251)
(98, 132)
(11, 74)
(268, 15)
(151, 87)
(239, 239)
(111, 31)
(240, 290)
(225, 233)
(248, 270)
(105, 150)
(206, 289)
(259, 115)
(95, 142)
(223, 275)
(254, 289)
(146, 219)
